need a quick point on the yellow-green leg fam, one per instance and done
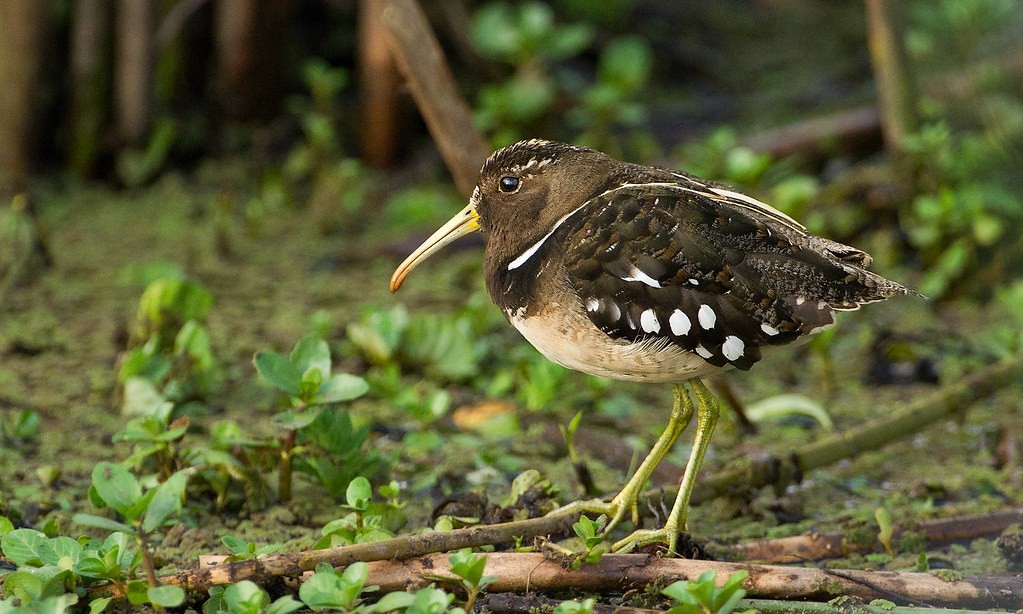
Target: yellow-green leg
(626, 500)
(706, 419)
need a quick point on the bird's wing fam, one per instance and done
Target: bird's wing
(690, 266)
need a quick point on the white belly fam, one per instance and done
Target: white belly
(573, 341)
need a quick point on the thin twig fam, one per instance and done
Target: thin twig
(818, 546)
(200, 578)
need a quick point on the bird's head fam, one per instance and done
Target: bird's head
(523, 190)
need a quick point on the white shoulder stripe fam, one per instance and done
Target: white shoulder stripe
(526, 255)
(748, 202)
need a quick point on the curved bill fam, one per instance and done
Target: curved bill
(465, 222)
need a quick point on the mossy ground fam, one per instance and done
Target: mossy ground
(64, 327)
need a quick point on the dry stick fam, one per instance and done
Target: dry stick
(421, 61)
(508, 603)
(827, 545)
(518, 572)
(293, 564)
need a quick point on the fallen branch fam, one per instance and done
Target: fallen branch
(526, 572)
(200, 578)
(509, 603)
(818, 546)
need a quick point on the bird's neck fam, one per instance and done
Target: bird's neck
(517, 290)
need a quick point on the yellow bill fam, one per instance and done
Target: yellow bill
(465, 222)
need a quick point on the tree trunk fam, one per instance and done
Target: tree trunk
(251, 56)
(21, 48)
(134, 70)
(379, 84)
(90, 79)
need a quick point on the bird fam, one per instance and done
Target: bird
(648, 274)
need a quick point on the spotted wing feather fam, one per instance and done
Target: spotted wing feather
(678, 264)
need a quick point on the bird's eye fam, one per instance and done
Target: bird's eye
(509, 184)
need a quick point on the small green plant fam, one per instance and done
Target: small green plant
(242, 550)
(50, 568)
(305, 376)
(170, 347)
(886, 528)
(366, 520)
(469, 569)
(19, 429)
(335, 590)
(246, 597)
(611, 103)
(317, 116)
(528, 37)
(591, 532)
(702, 596)
(144, 511)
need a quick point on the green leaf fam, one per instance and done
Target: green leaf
(166, 596)
(101, 522)
(6, 526)
(886, 523)
(245, 597)
(194, 342)
(312, 379)
(625, 63)
(295, 420)
(469, 567)
(322, 590)
(341, 387)
(99, 604)
(167, 501)
(394, 601)
(378, 333)
(235, 544)
(117, 487)
(23, 585)
(576, 607)
(28, 547)
(284, 605)
(785, 405)
(311, 352)
(67, 552)
(137, 592)
(354, 578)
(279, 372)
(142, 399)
(359, 493)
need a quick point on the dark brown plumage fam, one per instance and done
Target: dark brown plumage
(642, 273)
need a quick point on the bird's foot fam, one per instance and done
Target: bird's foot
(615, 510)
(646, 537)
